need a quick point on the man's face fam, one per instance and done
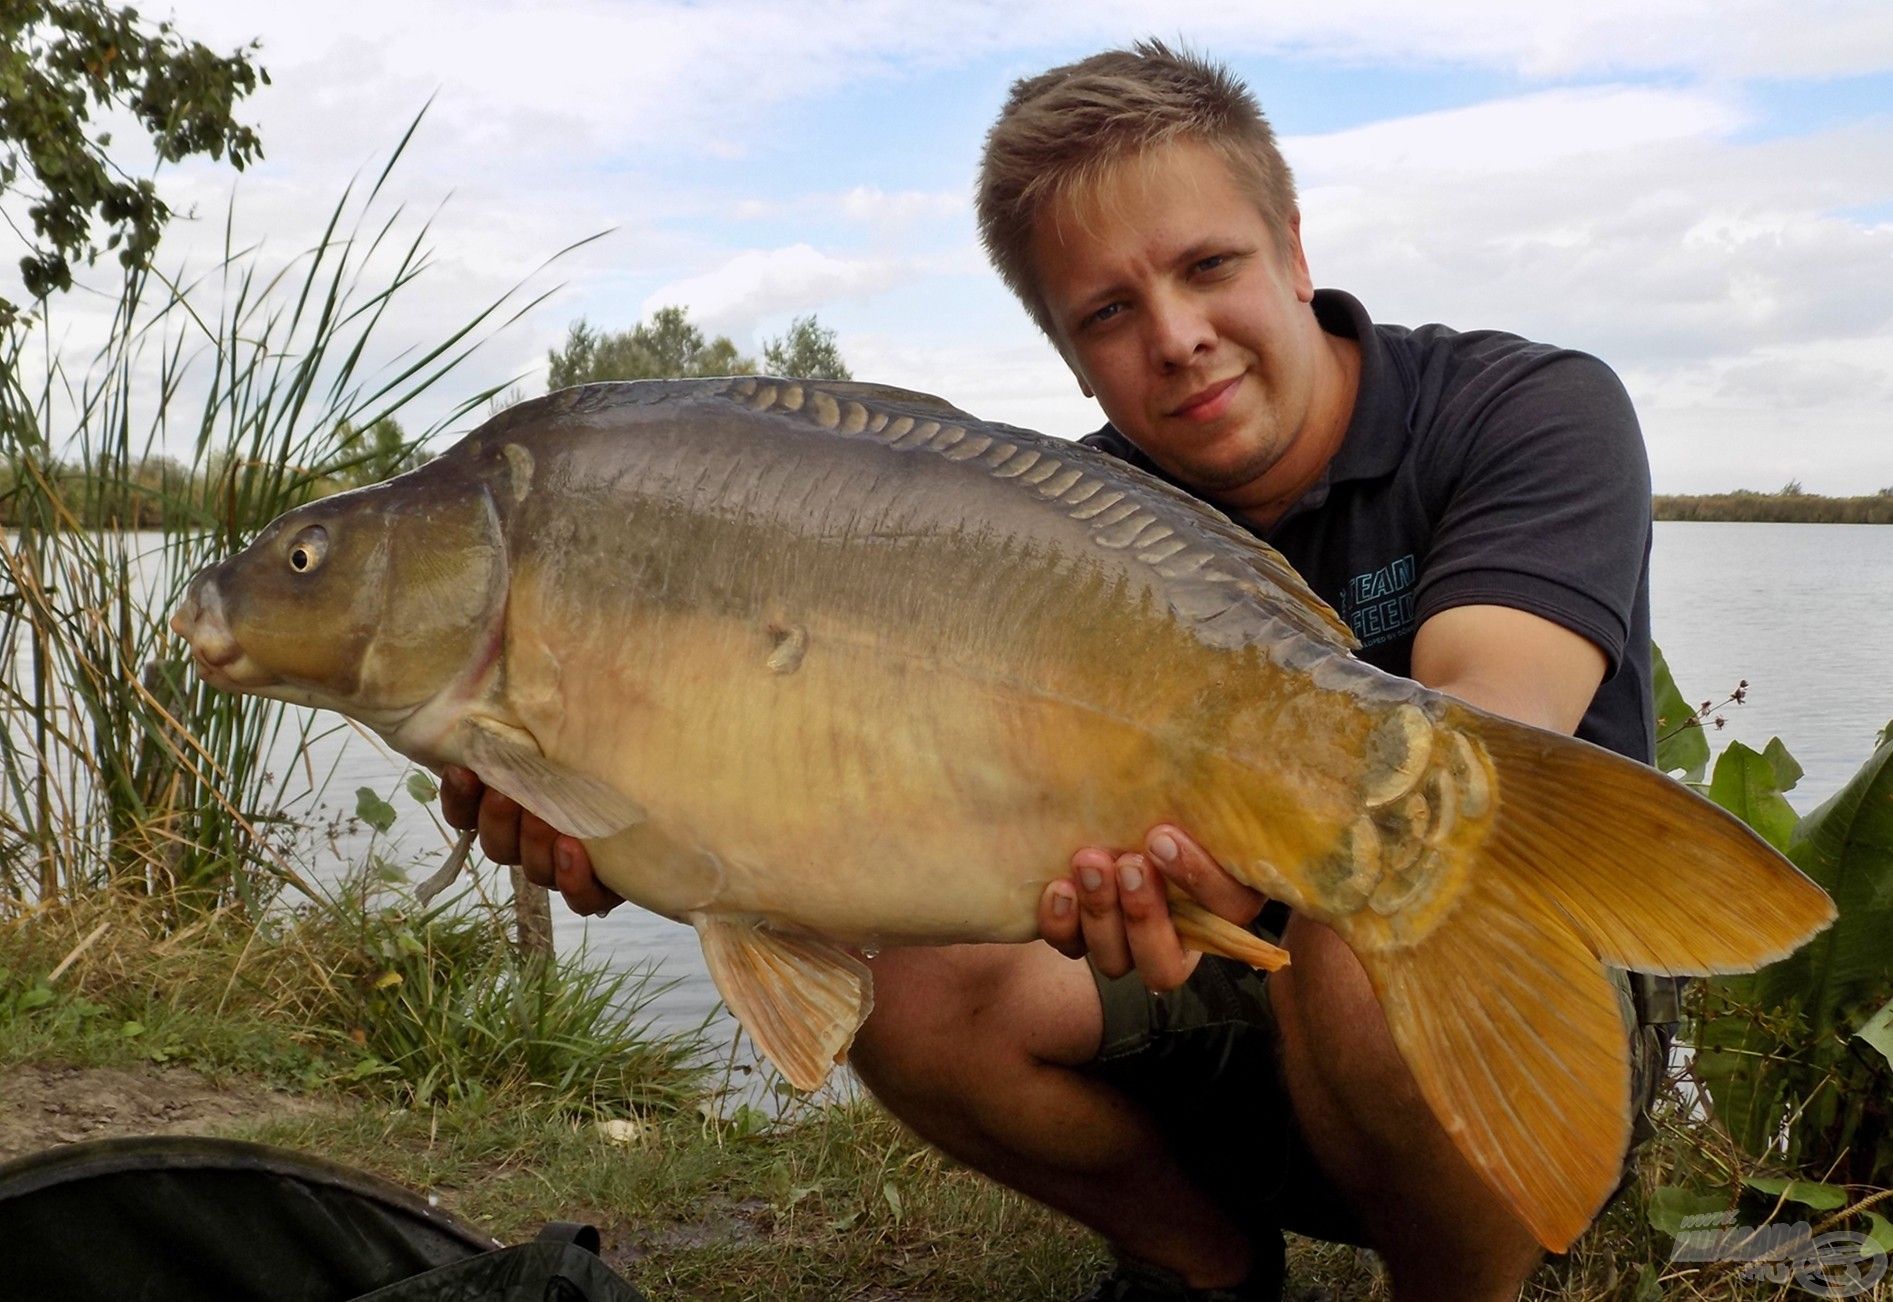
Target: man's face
(1178, 310)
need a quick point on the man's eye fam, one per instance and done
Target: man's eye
(1213, 262)
(1104, 314)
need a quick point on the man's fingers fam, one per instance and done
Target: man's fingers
(573, 875)
(1149, 934)
(1099, 918)
(460, 797)
(510, 834)
(1190, 866)
(1058, 918)
(535, 849)
(499, 827)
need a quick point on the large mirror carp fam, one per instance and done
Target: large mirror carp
(816, 667)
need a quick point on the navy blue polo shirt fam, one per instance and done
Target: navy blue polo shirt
(1479, 468)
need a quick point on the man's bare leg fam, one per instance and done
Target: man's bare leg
(975, 1047)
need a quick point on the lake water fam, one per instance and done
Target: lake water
(1804, 613)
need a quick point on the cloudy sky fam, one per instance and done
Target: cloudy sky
(1699, 193)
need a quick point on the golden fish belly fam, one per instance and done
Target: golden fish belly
(847, 779)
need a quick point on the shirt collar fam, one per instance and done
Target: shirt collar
(1376, 437)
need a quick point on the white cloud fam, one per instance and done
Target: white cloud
(1750, 38)
(1551, 127)
(1665, 250)
(1729, 276)
(878, 207)
(760, 282)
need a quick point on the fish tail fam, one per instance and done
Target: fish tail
(1495, 988)
(1651, 875)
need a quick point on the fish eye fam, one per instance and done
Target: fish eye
(308, 548)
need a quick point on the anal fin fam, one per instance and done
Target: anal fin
(800, 999)
(1211, 933)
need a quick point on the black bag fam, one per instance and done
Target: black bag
(185, 1219)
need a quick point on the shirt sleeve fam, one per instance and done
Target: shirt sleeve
(1547, 510)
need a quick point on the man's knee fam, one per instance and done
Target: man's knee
(961, 1012)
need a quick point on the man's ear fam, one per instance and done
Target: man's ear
(1297, 261)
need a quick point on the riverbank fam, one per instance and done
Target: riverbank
(1784, 507)
(115, 1020)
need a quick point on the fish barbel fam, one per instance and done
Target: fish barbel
(818, 666)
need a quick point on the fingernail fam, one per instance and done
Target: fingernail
(1164, 846)
(1091, 877)
(1061, 904)
(562, 858)
(1130, 876)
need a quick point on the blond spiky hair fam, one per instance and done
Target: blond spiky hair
(1062, 131)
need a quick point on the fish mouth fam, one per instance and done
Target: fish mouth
(215, 653)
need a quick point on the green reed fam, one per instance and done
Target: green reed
(215, 403)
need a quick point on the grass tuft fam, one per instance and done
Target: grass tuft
(418, 1006)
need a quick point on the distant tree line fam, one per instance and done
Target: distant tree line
(160, 491)
(1790, 505)
(669, 346)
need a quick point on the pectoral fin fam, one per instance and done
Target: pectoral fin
(509, 761)
(800, 999)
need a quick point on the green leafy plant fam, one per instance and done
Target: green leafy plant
(1794, 1056)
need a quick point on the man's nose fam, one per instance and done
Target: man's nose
(1179, 330)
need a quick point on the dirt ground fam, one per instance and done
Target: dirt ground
(44, 1106)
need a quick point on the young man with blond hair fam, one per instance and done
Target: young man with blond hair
(1475, 505)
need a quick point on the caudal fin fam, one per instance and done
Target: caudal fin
(1653, 877)
(1514, 1035)
(1495, 989)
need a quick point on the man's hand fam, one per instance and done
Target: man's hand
(511, 835)
(1113, 908)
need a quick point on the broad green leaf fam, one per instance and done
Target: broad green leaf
(1680, 745)
(373, 810)
(1670, 1204)
(132, 1030)
(1776, 1043)
(1878, 1031)
(1809, 1193)
(1787, 769)
(423, 788)
(1745, 784)
(1880, 1230)
(1846, 846)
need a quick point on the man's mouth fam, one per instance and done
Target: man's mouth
(1208, 403)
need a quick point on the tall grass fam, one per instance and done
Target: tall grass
(117, 765)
